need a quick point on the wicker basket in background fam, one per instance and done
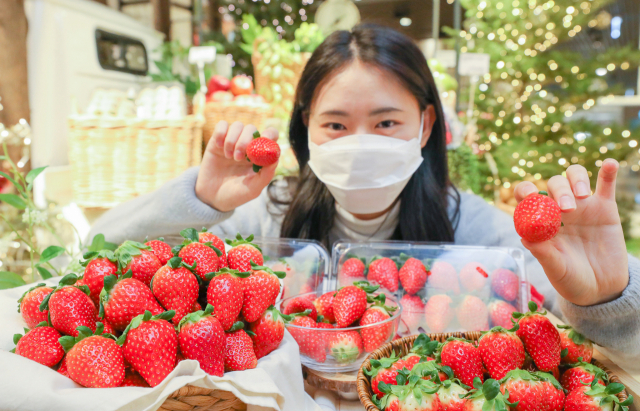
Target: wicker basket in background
(215, 112)
(114, 160)
(191, 398)
(403, 346)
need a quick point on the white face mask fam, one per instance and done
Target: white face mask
(365, 173)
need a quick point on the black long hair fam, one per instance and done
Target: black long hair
(424, 200)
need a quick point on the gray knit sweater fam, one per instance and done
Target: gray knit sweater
(174, 206)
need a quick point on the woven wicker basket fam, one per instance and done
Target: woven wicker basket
(402, 347)
(114, 160)
(190, 398)
(214, 112)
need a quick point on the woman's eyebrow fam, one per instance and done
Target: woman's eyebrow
(335, 113)
(383, 110)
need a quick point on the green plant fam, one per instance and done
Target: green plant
(463, 169)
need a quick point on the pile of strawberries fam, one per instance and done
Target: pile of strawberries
(337, 323)
(532, 367)
(138, 311)
(436, 297)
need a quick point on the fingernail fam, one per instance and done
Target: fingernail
(582, 189)
(531, 190)
(566, 203)
(219, 143)
(238, 155)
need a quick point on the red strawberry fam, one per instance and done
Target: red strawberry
(268, 332)
(96, 269)
(40, 344)
(438, 313)
(138, 258)
(124, 298)
(324, 306)
(463, 358)
(62, 368)
(383, 271)
(352, 270)
(350, 303)
(575, 344)
(597, 398)
(537, 218)
(303, 329)
(374, 337)
(226, 294)
(553, 395)
(29, 305)
(501, 352)
(149, 344)
(262, 152)
(473, 314)
(195, 307)
(161, 250)
(70, 307)
(500, 313)
(133, 379)
(382, 371)
(443, 278)
(412, 312)
(525, 389)
(413, 275)
(242, 253)
(261, 289)
(344, 346)
(300, 304)
(93, 360)
(176, 288)
(451, 396)
(556, 373)
(108, 328)
(324, 325)
(473, 277)
(202, 258)
(505, 283)
(239, 354)
(486, 397)
(582, 373)
(417, 395)
(540, 337)
(217, 242)
(202, 338)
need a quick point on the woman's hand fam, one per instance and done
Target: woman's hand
(587, 261)
(226, 179)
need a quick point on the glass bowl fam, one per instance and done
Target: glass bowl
(341, 349)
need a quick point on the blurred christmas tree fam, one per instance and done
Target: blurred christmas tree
(526, 109)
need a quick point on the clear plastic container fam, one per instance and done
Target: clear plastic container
(465, 288)
(324, 349)
(306, 263)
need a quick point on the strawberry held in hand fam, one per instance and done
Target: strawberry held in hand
(540, 337)
(40, 344)
(202, 339)
(537, 218)
(262, 152)
(70, 307)
(94, 360)
(150, 344)
(29, 305)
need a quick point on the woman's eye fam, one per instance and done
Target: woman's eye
(336, 126)
(387, 124)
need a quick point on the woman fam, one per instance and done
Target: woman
(367, 130)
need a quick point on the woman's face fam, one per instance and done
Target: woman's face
(362, 99)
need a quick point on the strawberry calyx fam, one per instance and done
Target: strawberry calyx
(92, 255)
(367, 288)
(68, 341)
(17, 337)
(226, 270)
(430, 369)
(190, 236)
(501, 330)
(239, 241)
(597, 372)
(147, 316)
(424, 346)
(195, 317)
(277, 316)
(27, 292)
(238, 325)
(379, 257)
(545, 376)
(416, 385)
(381, 364)
(576, 337)
(608, 394)
(67, 280)
(490, 391)
(256, 267)
(533, 310)
(378, 304)
(290, 317)
(126, 251)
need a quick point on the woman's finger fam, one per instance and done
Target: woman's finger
(560, 190)
(523, 189)
(217, 138)
(606, 185)
(549, 258)
(579, 180)
(271, 133)
(232, 138)
(243, 142)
